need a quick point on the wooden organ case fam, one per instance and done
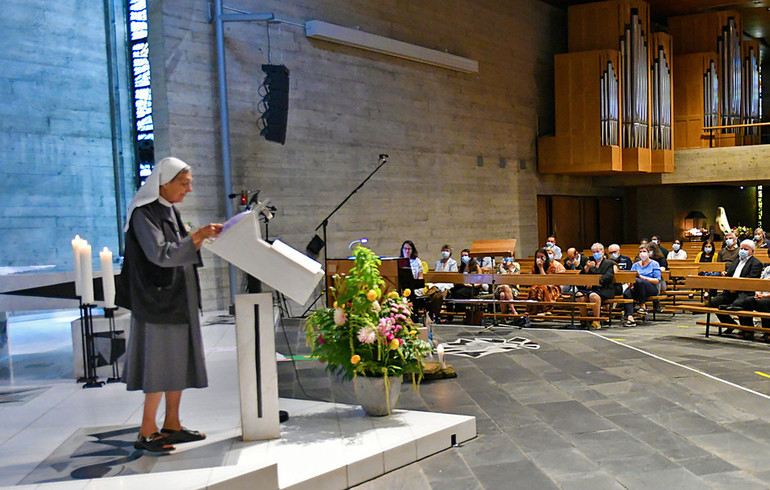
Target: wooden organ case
(716, 81)
(613, 94)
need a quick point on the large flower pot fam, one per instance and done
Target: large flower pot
(374, 398)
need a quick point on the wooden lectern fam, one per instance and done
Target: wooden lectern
(284, 269)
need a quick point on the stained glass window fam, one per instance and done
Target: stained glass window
(144, 138)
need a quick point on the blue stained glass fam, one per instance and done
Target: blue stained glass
(145, 169)
(137, 5)
(145, 124)
(138, 30)
(140, 50)
(142, 80)
(141, 65)
(143, 108)
(145, 136)
(135, 15)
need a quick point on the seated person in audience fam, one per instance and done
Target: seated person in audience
(642, 242)
(505, 291)
(707, 253)
(543, 292)
(656, 240)
(409, 251)
(729, 250)
(759, 302)
(623, 262)
(575, 261)
(598, 264)
(487, 265)
(468, 265)
(746, 265)
(551, 243)
(759, 238)
(677, 253)
(656, 254)
(646, 284)
(446, 263)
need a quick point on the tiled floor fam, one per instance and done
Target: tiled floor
(655, 406)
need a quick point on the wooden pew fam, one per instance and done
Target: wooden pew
(565, 279)
(729, 283)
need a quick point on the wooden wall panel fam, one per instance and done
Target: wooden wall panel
(697, 33)
(688, 100)
(566, 221)
(610, 220)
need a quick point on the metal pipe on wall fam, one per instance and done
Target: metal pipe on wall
(224, 121)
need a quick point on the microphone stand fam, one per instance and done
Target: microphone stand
(383, 160)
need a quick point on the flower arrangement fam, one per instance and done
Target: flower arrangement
(361, 336)
(743, 232)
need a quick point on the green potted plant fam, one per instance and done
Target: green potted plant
(366, 337)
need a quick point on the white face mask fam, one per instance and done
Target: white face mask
(445, 254)
(643, 256)
(676, 247)
(729, 242)
(551, 256)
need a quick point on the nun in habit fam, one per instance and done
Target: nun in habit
(159, 284)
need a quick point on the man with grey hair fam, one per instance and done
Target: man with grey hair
(623, 261)
(730, 250)
(598, 264)
(746, 265)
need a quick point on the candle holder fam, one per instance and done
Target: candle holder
(89, 352)
(109, 314)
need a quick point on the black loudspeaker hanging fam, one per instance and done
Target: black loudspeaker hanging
(275, 103)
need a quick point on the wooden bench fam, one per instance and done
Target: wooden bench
(564, 279)
(729, 283)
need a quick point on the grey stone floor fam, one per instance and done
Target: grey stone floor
(656, 406)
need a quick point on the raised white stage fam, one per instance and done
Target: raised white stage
(67, 437)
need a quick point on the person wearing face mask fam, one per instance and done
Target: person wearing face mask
(677, 253)
(544, 292)
(505, 291)
(623, 262)
(707, 253)
(656, 240)
(646, 285)
(746, 265)
(550, 243)
(759, 238)
(468, 265)
(598, 264)
(730, 250)
(445, 264)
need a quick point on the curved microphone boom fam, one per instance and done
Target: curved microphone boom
(383, 156)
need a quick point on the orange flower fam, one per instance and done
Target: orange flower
(371, 295)
(355, 359)
(394, 344)
(407, 292)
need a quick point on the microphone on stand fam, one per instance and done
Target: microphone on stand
(383, 156)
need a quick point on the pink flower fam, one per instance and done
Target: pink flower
(339, 316)
(367, 335)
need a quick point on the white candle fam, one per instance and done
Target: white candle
(108, 278)
(440, 351)
(76, 250)
(86, 273)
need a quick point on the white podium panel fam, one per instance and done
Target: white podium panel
(257, 372)
(278, 265)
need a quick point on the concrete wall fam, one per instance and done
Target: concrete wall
(55, 143)
(347, 106)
